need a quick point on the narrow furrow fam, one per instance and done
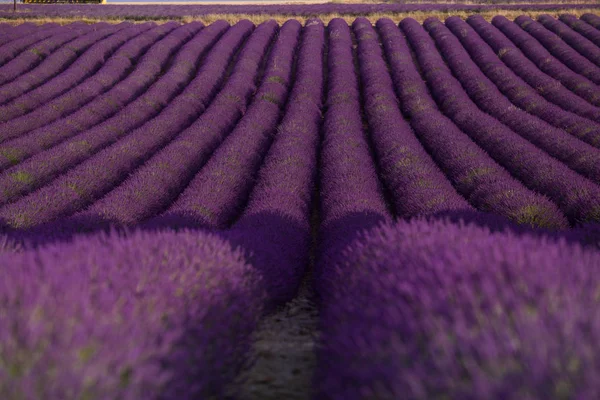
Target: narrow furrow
(87, 182)
(415, 182)
(559, 49)
(224, 181)
(518, 91)
(12, 49)
(581, 27)
(547, 63)
(576, 196)
(55, 63)
(474, 174)
(31, 58)
(76, 94)
(275, 230)
(576, 154)
(117, 101)
(578, 42)
(45, 166)
(510, 58)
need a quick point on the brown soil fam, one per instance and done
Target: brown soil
(284, 353)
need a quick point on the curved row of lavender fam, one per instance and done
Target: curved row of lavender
(165, 11)
(437, 308)
(159, 315)
(456, 304)
(190, 307)
(200, 152)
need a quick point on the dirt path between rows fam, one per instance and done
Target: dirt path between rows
(284, 352)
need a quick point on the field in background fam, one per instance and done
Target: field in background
(259, 13)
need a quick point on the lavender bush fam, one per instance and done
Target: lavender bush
(427, 309)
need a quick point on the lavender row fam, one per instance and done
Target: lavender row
(576, 196)
(146, 71)
(350, 193)
(583, 46)
(12, 49)
(90, 180)
(55, 63)
(25, 29)
(576, 154)
(510, 55)
(46, 165)
(231, 167)
(415, 182)
(474, 174)
(581, 27)
(152, 188)
(507, 73)
(275, 227)
(29, 59)
(561, 50)
(153, 316)
(73, 97)
(591, 19)
(348, 175)
(428, 309)
(83, 67)
(547, 63)
(163, 11)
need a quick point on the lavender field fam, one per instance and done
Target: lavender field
(166, 187)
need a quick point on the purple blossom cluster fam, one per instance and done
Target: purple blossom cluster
(164, 187)
(350, 192)
(441, 309)
(591, 19)
(145, 315)
(20, 39)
